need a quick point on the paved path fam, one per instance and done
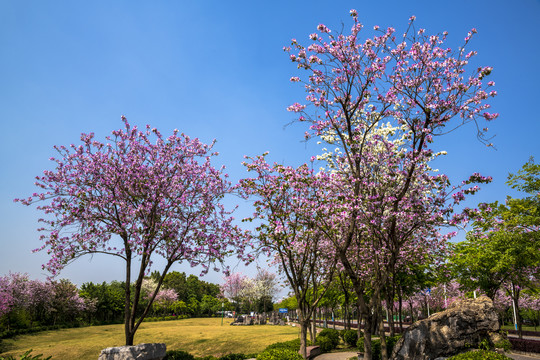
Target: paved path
(523, 357)
(336, 356)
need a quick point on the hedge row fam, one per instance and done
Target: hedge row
(6, 334)
(525, 332)
(525, 345)
(165, 318)
(11, 333)
(479, 355)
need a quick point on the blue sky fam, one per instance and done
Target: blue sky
(216, 70)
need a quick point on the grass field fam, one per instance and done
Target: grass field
(200, 337)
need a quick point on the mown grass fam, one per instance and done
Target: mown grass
(200, 337)
(524, 328)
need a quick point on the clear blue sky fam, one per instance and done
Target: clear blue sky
(216, 69)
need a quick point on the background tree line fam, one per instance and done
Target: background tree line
(27, 304)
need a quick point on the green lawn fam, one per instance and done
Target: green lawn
(198, 336)
(524, 328)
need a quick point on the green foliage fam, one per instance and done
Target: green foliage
(479, 355)
(27, 356)
(360, 342)
(188, 287)
(350, 337)
(279, 354)
(178, 355)
(233, 357)
(332, 334)
(164, 318)
(527, 178)
(376, 349)
(293, 345)
(484, 344)
(503, 344)
(289, 303)
(376, 346)
(503, 245)
(325, 343)
(11, 333)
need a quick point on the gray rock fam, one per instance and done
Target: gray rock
(155, 351)
(457, 329)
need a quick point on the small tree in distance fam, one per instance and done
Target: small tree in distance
(133, 198)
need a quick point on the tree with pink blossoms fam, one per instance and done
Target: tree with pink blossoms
(164, 300)
(531, 304)
(6, 296)
(136, 195)
(288, 203)
(417, 85)
(28, 303)
(267, 287)
(233, 287)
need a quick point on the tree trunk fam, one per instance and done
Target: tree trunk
(382, 335)
(400, 311)
(127, 299)
(313, 330)
(304, 325)
(367, 336)
(515, 293)
(359, 322)
(390, 312)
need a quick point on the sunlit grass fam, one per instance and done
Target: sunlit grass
(200, 337)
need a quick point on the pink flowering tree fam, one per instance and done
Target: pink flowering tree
(42, 302)
(288, 204)
(6, 296)
(164, 300)
(531, 304)
(233, 288)
(267, 287)
(419, 86)
(137, 195)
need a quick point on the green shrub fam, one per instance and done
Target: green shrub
(325, 343)
(178, 355)
(391, 342)
(209, 357)
(342, 334)
(279, 354)
(376, 349)
(233, 357)
(503, 344)
(27, 356)
(293, 345)
(479, 355)
(350, 337)
(332, 335)
(484, 344)
(376, 346)
(360, 342)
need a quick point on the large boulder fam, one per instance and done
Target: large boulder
(457, 329)
(155, 351)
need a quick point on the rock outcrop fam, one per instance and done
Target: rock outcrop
(459, 328)
(154, 351)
